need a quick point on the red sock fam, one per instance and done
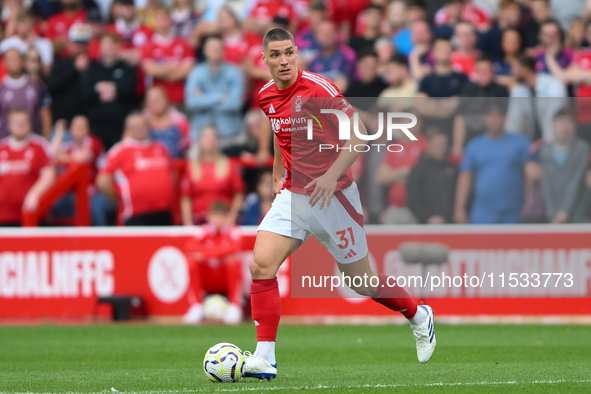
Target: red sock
(266, 308)
(395, 297)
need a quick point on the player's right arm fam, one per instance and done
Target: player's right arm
(278, 168)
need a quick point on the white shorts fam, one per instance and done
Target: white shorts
(338, 227)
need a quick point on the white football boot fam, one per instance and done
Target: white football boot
(256, 367)
(425, 336)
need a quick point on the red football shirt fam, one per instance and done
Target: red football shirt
(59, 24)
(20, 165)
(407, 158)
(214, 244)
(210, 187)
(143, 175)
(303, 158)
(171, 51)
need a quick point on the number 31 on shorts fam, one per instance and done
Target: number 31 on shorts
(344, 240)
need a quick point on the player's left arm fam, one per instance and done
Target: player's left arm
(326, 184)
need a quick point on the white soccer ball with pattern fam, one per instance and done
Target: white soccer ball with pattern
(215, 307)
(223, 363)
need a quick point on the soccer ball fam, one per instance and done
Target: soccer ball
(223, 363)
(215, 307)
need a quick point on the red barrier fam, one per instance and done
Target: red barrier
(74, 178)
(60, 273)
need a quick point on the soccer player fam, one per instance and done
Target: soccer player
(309, 188)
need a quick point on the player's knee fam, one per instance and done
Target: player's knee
(261, 268)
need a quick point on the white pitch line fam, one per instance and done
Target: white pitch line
(321, 387)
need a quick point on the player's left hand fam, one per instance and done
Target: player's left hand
(324, 190)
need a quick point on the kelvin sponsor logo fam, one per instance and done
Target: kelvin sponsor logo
(345, 130)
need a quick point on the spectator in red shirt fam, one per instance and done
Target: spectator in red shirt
(134, 35)
(209, 178)
(456, 10)
(463, 59)
(59, 24)
(393, 172)
(134, 169)
(26, 169)
(215, 267)
(77, 146)
(167, 59)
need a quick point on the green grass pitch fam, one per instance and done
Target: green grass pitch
(325, 359)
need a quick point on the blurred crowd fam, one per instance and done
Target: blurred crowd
(157, 93)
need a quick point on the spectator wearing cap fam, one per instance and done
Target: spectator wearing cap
(564, 163)
(166, 58)
(264, 11)
(18, 91)
(431, 184)
(305, 39)
(334, 60)
(214, 94)
(58, 25)
(108, 88)
(64, 79)
(551, 38)
(492, 171)
(26, 38)
(373, 20)
(539, 12)
(468, 122)
(463, 59)
(94, 20)
(535, 99)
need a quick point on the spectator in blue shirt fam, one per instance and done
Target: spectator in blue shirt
(334, 61)
(214, 94)
(492, 171)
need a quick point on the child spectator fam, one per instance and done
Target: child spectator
(215, 267)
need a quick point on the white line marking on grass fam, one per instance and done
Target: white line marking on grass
(321, 387)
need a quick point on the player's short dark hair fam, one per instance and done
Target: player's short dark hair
(219, 206)
(277, 34)
(416, 4)
(565, 113)
(376, 7)
(527, 62)
(443, 38)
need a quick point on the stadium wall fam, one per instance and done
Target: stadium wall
(59, 273)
